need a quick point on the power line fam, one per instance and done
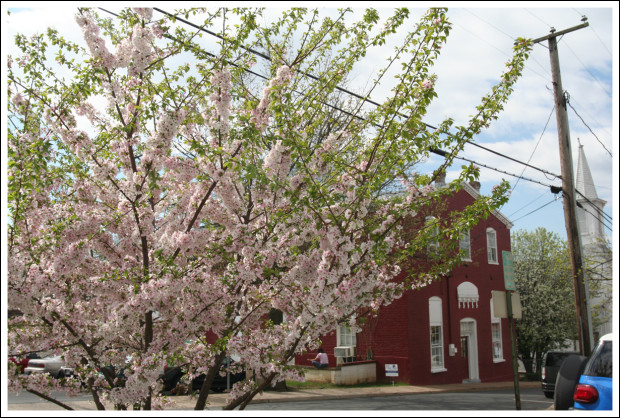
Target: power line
(596, 34)
(601, 221)
(598, 210)
(268, 58)
(544, 193)
(501, 51)
(588, 71)
(362, 98)
(536, 210)
(537, 143)
(443, 153)
(599, 125)
(537, 17)
(584, 122)
(513, 159)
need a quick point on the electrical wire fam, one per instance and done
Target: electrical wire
(515, 160)
(605, 88)
(605, 130)
(600, 212)
(536, 210)
(536, 147)
(443, 153)
(501, 51)
(601, 221)
(537, 17)
(544, 193)
(590, 129)
(596, 34)
(370, 101)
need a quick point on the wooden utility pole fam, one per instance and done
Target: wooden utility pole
(568, 189)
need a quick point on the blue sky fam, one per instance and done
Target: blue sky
(471, 62)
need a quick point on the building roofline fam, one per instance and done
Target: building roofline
(476, 194)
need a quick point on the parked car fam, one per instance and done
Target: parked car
(586, 382)
(53, 365)
(594, 390)
(173, 376)
(552, 360)
(23, 363)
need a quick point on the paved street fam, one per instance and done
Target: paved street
(472, 396)
(502, 400)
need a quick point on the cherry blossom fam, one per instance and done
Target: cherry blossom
(166, 225)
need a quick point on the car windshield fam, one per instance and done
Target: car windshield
(600, 363)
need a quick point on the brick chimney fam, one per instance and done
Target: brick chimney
(441, 180)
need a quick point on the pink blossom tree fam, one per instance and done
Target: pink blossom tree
(164, 226)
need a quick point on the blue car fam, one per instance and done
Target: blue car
(594, 389)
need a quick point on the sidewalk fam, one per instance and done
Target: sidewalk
(217, 401)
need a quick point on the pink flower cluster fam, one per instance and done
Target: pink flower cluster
(221, 82)
(134, 51)
(95, 43)
(260, 115)
(145, 12)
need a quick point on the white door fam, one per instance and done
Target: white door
(468, 330)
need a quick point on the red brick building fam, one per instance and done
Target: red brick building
(445, 332)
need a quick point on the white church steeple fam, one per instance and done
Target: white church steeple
(589, 206)
(590, 223)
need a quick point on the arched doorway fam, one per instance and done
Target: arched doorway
(469, 348)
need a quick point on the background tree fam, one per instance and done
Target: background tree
(598, 258)
(544, 282)
(164, 226)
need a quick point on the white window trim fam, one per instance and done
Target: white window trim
(467, 256)
(498, 321)
(339, 335)
(494, 246)
(433, 245)
(436, 321)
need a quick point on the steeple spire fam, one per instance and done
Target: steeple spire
(589, 218)
(584, 183)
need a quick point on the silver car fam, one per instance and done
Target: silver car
(53, 365)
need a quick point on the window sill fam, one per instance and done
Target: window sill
(499, 360)
(439, 370)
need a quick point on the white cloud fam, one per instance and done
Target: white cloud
(470, 63)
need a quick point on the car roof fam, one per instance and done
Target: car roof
(607, 337)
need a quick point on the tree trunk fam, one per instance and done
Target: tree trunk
(201, 402)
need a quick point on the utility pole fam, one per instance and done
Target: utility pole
(568, 189)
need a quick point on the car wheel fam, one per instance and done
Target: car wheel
(549, 394)
(568, 377)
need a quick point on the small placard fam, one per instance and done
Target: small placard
(391, 370)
